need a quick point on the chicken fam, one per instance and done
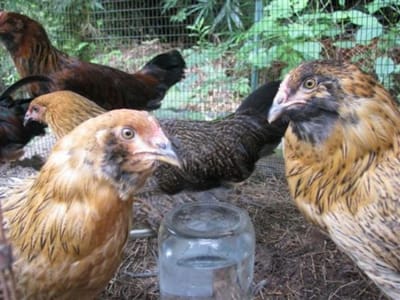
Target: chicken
(342, 158)
(224, 150)
(32, 53)
(68, 224)
(13, 135)
(62, 110)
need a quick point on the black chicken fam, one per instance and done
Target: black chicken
(13, 135)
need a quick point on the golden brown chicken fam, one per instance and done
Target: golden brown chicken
(68, 225)
(212, 152)
(63, 110)
(342, 157)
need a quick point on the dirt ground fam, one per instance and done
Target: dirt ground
(293, 259)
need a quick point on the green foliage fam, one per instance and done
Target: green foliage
(228, 42)
(294, 31)
(210, 75)
(220, 15)
(200, 31)
(384, 68)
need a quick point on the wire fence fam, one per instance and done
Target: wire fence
(277, 36)
(229, 50)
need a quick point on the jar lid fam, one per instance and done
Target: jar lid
(206, 220)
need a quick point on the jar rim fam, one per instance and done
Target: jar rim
(175, 220)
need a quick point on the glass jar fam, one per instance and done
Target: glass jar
(206, 251)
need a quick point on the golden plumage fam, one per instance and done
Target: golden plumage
(68, 224)
(342, 157)
(66, 111)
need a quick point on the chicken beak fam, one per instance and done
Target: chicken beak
(275, 111)
(27, 119)
(281, 104)
(166, 154)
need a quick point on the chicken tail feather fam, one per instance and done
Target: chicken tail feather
(260, 100)
(22, 82)
(168, 68)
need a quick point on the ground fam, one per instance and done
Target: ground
(293, 259)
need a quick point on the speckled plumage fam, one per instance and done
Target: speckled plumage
(68, 224)
(212, 152)
(342, 157)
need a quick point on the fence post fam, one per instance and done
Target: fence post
(258, 11)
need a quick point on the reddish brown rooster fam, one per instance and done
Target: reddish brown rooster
(13, 135)
(32, 53)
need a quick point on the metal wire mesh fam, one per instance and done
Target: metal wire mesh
(275, 37)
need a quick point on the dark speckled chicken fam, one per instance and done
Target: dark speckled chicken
(212, 152)
(223, 150)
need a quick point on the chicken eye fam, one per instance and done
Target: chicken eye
(309, 83)
(35, 109)
(127, 133)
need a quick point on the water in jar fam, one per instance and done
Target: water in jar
(206, 252)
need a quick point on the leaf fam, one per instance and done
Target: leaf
(376, 5)
(384, 66)
(366, 33)
(315, 17)
(296, 30)
(180, 16)
(333, 31)
(298, 5)
(309, 50)
(278, 9)
(168, 4)
(362, 19)
(265, 24)
(339, 16)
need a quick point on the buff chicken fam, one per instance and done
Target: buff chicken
(69, 223)
(342, 158)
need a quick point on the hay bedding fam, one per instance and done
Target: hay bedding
(293, 259)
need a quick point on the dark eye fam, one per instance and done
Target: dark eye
(127, 133)
(309, 83)
(35, 109)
